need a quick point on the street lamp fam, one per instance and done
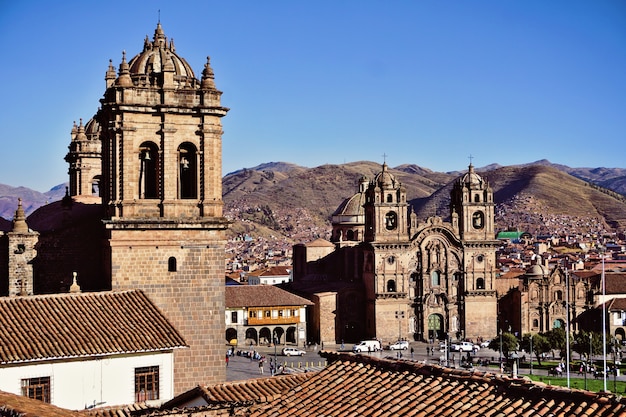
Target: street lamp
(399, 317)
(275, 342)
(589, 359)
(500, 350)
(531, 354)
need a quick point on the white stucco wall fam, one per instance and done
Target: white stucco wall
(78, 384)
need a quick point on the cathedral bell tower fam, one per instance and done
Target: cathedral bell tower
(386, 209)
(472, 209)
(85, 159)
(161, 188)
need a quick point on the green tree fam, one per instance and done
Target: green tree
(541, 345)
(509, 343)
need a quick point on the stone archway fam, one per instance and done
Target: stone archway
(231, 334)
(251, 336)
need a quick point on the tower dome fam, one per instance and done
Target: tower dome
(471, 177)
(160, 56)
(385, 179)
(536, 271)
(92, 129)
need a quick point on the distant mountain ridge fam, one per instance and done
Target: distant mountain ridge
(264, 199)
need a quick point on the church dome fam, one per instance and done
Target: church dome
(159, 56)
(472, 177)
(352, 206)
(536, 271)
(385, 179)
(92, 129)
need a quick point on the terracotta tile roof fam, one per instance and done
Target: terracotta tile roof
(256, 390)
(60, 326)
(320, 243)
(617, 304)
(132, 410)
(357, 385)
(278, 270)
(615, 282)
(18, 405)
(261, 296)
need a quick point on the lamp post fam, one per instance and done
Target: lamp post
(531, 354)
(275, 342)
(500, 350)
(399, 317)
(603, 322)
(589, 359)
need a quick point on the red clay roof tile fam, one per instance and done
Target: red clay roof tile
(80, 325)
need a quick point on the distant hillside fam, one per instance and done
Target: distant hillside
(31, 200)
(537, 198)
(286, 201)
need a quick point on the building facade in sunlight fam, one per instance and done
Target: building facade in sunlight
(143, 210)
(390, 276)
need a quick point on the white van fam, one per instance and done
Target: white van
(367, 346)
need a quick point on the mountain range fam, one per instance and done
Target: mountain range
(286, 201)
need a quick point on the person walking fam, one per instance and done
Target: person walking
(412, 351)
(261, 366)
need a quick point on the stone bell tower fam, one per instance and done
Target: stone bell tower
(85, 159)
(472, 208)
(162, 192)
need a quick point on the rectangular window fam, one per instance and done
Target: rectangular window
(252, 314)
(37, 388)
(146, 383)
(267, 314)
(280, 313)
(233, 317)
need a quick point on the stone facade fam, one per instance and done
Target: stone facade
(163, 196)
(414, 279)
(21, 253)
(144, 206)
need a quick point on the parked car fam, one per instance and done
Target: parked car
(464, 347)
(399, 345)
(485, 344)
(367, 346)
(290, 351)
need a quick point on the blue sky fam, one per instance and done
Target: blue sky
(424, 82)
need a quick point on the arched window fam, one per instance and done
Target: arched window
(391, 286)
(558, 295)
(435, 279)
(480, 284)
(391, 220)
(187, 171)
(476, 198)
(535, 323)
(148, 170)
(95, 185)
(389, 198)
(478, 220)
(171, 264)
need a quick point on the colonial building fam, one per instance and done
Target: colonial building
(82, 350)
(261, 314)
(537, 301)
(392, 276)
(144, 206)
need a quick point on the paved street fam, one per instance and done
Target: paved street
(240, 367)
